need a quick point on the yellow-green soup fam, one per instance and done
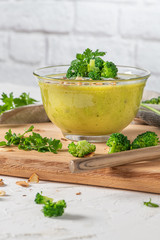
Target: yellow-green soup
(91, 109)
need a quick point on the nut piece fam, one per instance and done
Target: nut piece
(1, 182)
(2, 193)
(78, 193)
(6, 150)
(90, 154)
(22, 183)
(34, 178)
(64, 139)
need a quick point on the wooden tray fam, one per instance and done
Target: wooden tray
(144, 176)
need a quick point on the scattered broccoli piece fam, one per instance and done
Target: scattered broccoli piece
(109, 70)
(54, 209)
(81, 149)
(40, 199)
(117, 143)
(50, 209)
(153, 101)
(150, 108)
(146, 139)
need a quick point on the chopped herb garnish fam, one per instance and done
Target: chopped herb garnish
(33, 142)
(90, 64)
(150, 204)
(10, 102)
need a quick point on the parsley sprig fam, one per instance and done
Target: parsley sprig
(88, 54)
(32, 142)
(9, 102)
(150, 204)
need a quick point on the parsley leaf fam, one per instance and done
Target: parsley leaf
(88, 54)
(150, 204)
(9, 102)
(33, 142)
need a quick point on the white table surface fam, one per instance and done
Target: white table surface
(98, 213)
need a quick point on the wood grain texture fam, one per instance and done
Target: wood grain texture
(114, 160)
(142, 176)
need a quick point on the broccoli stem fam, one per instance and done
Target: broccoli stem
(112, 149)
(91, 65)
(150, 108)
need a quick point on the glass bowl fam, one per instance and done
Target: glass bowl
(91, 109)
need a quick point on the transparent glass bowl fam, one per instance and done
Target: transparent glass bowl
(91, 109)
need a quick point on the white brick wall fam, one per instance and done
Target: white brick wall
(27, 48)
(3, 46)
(37, 33)
(96, 17)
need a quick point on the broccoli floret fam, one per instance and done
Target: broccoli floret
(95, 74)
(109, 70)
(54, 209)
(39, 199)
(146, 139)
(82, 71)
(77, 68)
(81, 149)
(99, 62)
(118, 143)
(71, 72)
(153, 101)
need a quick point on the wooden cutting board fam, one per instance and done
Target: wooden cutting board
(142, 176)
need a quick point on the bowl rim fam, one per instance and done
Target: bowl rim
(144, 76)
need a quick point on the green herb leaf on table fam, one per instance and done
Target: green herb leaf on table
(9, 102)
(150, 204)
(145, 103)
(153, 101)
(32, 142)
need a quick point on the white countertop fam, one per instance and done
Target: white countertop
(98, 213)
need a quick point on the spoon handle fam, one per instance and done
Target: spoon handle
(114, 159)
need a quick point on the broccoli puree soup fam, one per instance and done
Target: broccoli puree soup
(91, 110)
